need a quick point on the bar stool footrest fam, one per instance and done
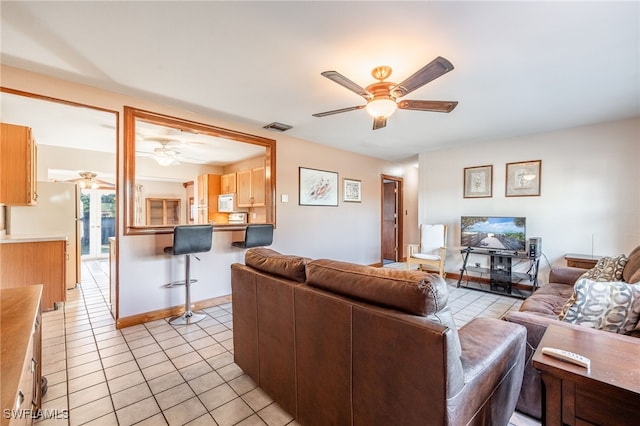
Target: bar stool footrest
(179, 283)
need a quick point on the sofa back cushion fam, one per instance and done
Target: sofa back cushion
(272, 262)
(631, 273)
(412, 292)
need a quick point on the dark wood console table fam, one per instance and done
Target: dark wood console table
(606, 394)
(585, 261)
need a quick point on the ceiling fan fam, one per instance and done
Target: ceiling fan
(166, 155)
(382, 96)
(87, 180)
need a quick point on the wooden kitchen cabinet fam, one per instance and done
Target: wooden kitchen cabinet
(228, 183)
(18, 167)
(21, 371)
(164, 211)
(251, 187)
(36, 262)
(208, 191)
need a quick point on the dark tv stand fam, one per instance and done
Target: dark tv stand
(500, 276)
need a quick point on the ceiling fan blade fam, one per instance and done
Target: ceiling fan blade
(338, 111)
(345, 82)
(434, 69)
(379, 123)
(434, 106)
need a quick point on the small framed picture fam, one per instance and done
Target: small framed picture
(523, 179)
(351, 190)
(478, 182)
(318, 187)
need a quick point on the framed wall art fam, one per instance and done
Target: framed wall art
(351, 190)
(478, 182)
(523, 179)
(317, 187)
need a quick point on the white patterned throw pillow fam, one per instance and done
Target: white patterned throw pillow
(610, 306)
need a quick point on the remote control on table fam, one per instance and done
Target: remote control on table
(563, 355)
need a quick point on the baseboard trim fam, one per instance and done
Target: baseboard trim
(173, 311)
(455, 276)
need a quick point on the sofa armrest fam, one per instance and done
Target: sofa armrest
(536, 325)
(493, 363)
(565, 275)
(530, 399)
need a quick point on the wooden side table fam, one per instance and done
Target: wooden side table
(585, 261)
(606, 394)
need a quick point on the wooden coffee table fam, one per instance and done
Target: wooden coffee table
(606, 394)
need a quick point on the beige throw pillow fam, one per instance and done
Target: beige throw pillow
(609, 306)
(607, 269)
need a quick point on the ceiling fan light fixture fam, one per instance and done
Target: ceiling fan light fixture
(164, 160)
(382, 107)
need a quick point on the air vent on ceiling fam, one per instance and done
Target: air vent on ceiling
(280, 127)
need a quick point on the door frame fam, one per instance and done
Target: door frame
(400, 216)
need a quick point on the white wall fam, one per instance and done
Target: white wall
(349, 232)
(590, 193)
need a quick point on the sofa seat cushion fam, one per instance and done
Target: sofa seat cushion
(270, 261)
(413, 292)
(548, 299)
(608, 306)
(426, 256)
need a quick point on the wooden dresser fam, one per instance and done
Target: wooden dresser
(21, 354)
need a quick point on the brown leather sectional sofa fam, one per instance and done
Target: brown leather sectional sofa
(335, 343)
(541, 309)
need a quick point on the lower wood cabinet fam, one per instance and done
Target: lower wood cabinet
(36, 262)
(21, 371)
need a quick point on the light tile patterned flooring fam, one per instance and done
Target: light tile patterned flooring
(158, 374)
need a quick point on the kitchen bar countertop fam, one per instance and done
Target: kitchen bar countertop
(30, 238)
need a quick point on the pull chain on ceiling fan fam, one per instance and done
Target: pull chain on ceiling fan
(382, 97)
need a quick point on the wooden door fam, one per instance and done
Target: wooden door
(389, 221)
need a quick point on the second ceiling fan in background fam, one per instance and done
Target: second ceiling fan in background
(382, 96)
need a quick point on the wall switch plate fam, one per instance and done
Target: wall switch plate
(284, 198)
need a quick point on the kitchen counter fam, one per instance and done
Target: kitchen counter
(29, 238)
(217, 227)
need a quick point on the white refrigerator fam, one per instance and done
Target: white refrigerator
(57, 212)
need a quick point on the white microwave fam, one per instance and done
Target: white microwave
(226, 203)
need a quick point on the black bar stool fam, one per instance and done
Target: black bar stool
(256, 236)
(187, 240)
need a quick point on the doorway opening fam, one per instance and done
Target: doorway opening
(392, 220)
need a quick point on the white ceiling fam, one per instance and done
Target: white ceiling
(520, 67)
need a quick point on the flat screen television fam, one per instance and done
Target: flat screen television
(493, 233)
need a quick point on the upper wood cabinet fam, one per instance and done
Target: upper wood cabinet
(228, 183)
(209, 187)
(18, 167)
(251, 187)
